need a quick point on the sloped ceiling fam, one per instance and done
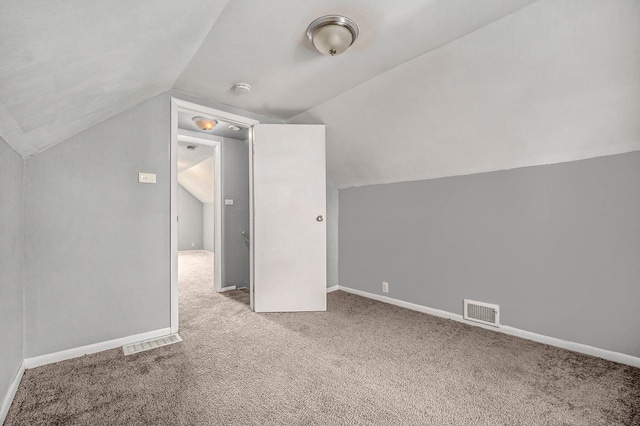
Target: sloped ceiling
(264, 44)
(188, 158)
(556, 81)
(431, 88)
(68, 65)
(198, 180)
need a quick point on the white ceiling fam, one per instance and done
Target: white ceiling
(68, 65)
(196, 172)
(190, 157)
(556, 81)
(264, 43)
(431, 88)
(198, 180)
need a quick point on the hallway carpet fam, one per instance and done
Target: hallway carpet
(362, 362)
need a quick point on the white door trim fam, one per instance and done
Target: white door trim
(178, 105)
(251, 230)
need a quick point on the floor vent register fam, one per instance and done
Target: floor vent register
(146, 345)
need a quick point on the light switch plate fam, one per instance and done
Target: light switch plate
(147, 177)
(228, 202)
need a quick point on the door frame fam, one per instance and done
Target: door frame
(177, 106)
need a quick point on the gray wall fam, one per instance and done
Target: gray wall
(235, 182)
(332, 234)
(558, 246)
(96, 241)
(190, 230)
(11, 279)
(208, 226)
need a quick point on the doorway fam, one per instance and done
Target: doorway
(196, 170)
(196, 219)
(224, 148)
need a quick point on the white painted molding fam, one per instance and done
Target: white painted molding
(540, 338)
(197, 137)
(572, 346)
(40, 360)
(412, 306)
(11, 393)
(227, 288)
(333, 288)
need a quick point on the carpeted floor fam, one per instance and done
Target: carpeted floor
(362, 362)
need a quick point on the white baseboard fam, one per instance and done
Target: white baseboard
(228, 288)
(572, 346)
(11, 393)
(39, 360)
(333, 288)
(540, 338)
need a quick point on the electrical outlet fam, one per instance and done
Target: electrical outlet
(385, 287)
(193, 244)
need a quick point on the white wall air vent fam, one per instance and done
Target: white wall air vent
(484, 313)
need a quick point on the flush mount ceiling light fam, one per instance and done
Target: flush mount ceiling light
(332, 34)
(234, 128)
(204, 123)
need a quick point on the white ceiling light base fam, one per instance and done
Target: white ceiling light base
(241, 87)
(332, 34)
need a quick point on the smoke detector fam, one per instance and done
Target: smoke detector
(241, 87)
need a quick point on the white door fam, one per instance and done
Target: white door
(289, 227)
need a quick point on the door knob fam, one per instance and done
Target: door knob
(319, 218)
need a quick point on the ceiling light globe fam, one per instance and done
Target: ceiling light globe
(204, 123)
(332, 40)
(332, 34)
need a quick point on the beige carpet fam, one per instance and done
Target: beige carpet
(362, 362)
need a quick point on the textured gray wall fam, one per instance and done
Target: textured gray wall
(332, 234)
(11, 279)
(190, 230)
(96, 240)
(208, 226)
(558, 246)
(235, 182)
